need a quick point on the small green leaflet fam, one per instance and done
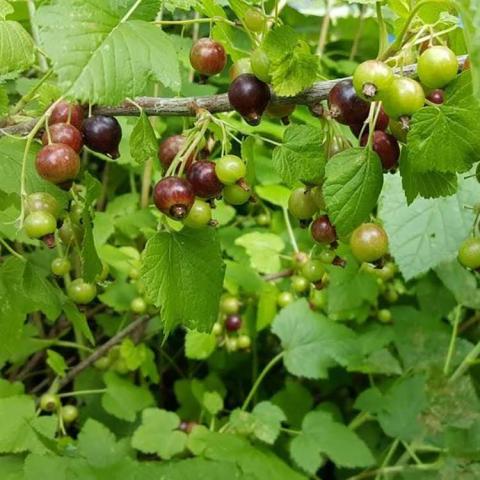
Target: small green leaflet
(17, 52)
(171, 5)
(353, 183)
(183, 275)
(5, 9)
(56, 362)
(323, 435)
(275, 194)
(199, 345)
(263, 249)
(143, 142)
(312, 343)
(301, 157)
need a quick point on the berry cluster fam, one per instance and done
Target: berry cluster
(51, 403)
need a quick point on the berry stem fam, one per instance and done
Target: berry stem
(290, 230)
(191, 21)
(11, 250)
(383, 33)
(466, 363)
(79, 393)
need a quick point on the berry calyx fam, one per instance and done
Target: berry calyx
(65, 112)
(254, 20)
(284, 299)
(369, 242)
(323, 231)
(69, 414)
(371, 79)
(39, 224)
(260, 65)
(208, 57)
(138, 305)
(436, 96)
(437, 67)
(239, 67)
(469, 253)
(301, 204)
(174, 196)
(236, 194)
(204, 180)
(233, 323)
(81, 292)
(386, 146)
(64, 133)
(42, 201)
(49, 402)
(57, 163)
(345, 105)
(249, 96)
(103, 135)
(230, 169)
(169, 149)
(404, 97)
(60, 266)
(313, 270)
(200, 215)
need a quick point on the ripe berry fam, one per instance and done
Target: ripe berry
(381, 124)
(208, 57)
(49, 402)
(64, 133)
(301, 204)
(436, 96)
(386, 146)
(203, 178)
(65, 112)
(371, 79)
(81, 292)
(103, 134)
(249, 96)
(345, 105)
(233, 323)
(200, 215)
(57, 163)
(60, 266)
(260, 65)
(69, 414)
(169, 149)
(239, 67)
(244, 342)
(369, 242)
(313, 270)
(254, 20)
(284, 299)
(39, 224)
(174, 196)
(230, 305)
(236, 194)
(42, 201)
(437, 66)
(138, 305)
(469, 253)
(230, 169)
(404, 97)
(323, 231)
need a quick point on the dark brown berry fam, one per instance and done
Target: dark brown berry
(65, 112)
(204, 180)
(323, 231)
(103, 135)
(174, 197)
(64, 133)
(386, 146)
(233, 323)
(345, 105)
(169, 149)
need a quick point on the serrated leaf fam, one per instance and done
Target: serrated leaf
(429, 231)
(268, 419)
(159, 434)
(3, 101)
(301, 157)
(78, 319)
(353, 183)
(111, 55)
(143, 142)
(295, 400)
(183, 275)
(5, 9)
(56, 362)
(263, 249)
(171, 5)
(312, 344)
(17, 51)
(199, 345)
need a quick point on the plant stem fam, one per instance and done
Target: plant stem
(82, 392)
(468, 360)
(131, 11)
(322, 40)
(382, 27)
(262, 375)
(358, 34)
(12, 251)
(426, 467)
(388, 456)
(360, 419)
(451, 347)
(195, 20)
(30, 94)
(66, 344)
(42, 62)
(290, 230)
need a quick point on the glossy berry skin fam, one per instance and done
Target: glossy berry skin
(57, 163)
(103, 135)
(236, 195)
(174, 196)
(81, 292)
(254, 20)
(138, 305)
(49, 402)
(60, 266)
(239, 67)
(313, 270)
(404, 97)
(230, 305)
(469, 253)
(42, 201)
(233, 323)
(386, 146)
(284, 299)
(317, 196)
(39, 224)
(249, 96)
(371, 79)
(200, 215)
(300, 284)
(204, 180)
(398, 130)
(345, 105)
(437, 67)
(381, 124)
(64, 133)
(260, 65)
(436, 96)
(169, 149)
(301, 204)
(369, 242)
(65, 112)
(208, 57)
(323, 231)
(230, 169)
(69, 414)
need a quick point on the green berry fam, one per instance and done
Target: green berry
(69, 414)
(469, 253)
(200, 215)
(313, 270)
(230, 169)
(437, 67)
(138, 305)
(254, 20)
(49, 402)
(260, 65)
(60, 266)
(300, 284)
(301, 204)
(244, 342)
(236, 195)
(40, 223)
(284, 299)
(81, 292)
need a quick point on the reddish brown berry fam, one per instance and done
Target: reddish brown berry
(207, 56)
(65, 112)
(174, 197)
(323, 231)
(204, 180)
(57, 163)
(64, 133)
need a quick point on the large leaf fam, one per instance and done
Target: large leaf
(17, 51)
(103, 53)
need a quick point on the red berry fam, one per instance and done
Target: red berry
(207, 56)
(323, 231)
(382, 124)
(57, 163)
(436, 96)
(233, 323)
(386, 146)
(174, 197)
(204, 180)
(345, 105)
(249, 96)
(65, 112)
(169, 149)
(103, 134)
(64, 133)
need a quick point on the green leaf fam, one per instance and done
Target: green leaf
(115, 56)
(171, 5)
(5, 9)
(295, 400)
(123, 399)
(159, 434)
(213, 402)
(312, 343)
(10, 389)
(275, 194)
(429, 231)
(301, 157)
(199, 345)
(3, 101)
(267, 305)
(353, 183)
(56, 362)
(183, 274)
(78, 319)
(143, 142)
(18, 51)
(263, 249)
(322, 435)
